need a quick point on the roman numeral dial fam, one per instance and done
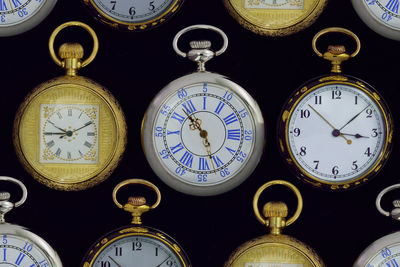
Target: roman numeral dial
(69, 133)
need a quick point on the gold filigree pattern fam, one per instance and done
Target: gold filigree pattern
(48, 111)
(47, 155)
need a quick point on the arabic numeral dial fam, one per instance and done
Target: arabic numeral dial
(337, 133)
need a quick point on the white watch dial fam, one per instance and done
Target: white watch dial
(69, 133)
(133, 11)
(385, 11)
(336, 133)
(388, 256)
(203, 134)
(17, 251)
(274, 4)
(16, 11)
(142, 250)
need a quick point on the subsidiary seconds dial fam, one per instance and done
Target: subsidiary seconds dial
(337, 132)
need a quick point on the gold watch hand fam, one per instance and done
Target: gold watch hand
(11, 6)
(335, 132)
(114, 261)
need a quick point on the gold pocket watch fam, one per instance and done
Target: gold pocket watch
(133, 15)
(70, 132)
(382, 16)
(18, 245)
(386, 250)
(275, 17)
(335, 131)
(275, 249)
(136, 244)
(203, 134)
(18, 16)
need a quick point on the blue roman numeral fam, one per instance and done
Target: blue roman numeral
(234, 134)
(176, 132)
(177, 148)
(189, 107)
(231, 150)
(3, 6)
(187, 159)
(20, 258)
(217, 161)
(392, 263)
(204, 102)
(230, 119)
(393, 5)
(178, 117)
(203, 164)
(16, 3)
(219, 107)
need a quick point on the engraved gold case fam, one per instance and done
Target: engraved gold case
(275, 17)
(70, 132)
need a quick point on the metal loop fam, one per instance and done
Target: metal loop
(284, 183)
(137, 182)
(196, 27)
(78, 24)
(21, 185)
(337, 30)
(379, 198)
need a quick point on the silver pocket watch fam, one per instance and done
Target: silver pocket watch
(386, 250)
(18, 245)
(18, 16)
(203, 134)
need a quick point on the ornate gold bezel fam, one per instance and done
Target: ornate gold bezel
(132, 230)
(277, 240)
(281, 30)
(120, 123)
(291, 104)
(117, 24)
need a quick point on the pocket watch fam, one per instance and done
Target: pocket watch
(133, 15)
(203, 134)
(275, 249)
(136, 243)
(335, 131)
(382, 16)
(70, 132)
(275, 17)
(386, 250)
(18, 16)
(18, 245)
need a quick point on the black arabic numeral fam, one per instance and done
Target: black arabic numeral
(303, 151)
(368, 152)
(318, 100)
(105, 264)
(136, 246)
(151, 6)
(132, 11)
(374, 132)
(113, 3)
(355, 166)
(316, 164)
(369, 112)
(304, 113)
(296, 132)
(336, 94)
(335, 170)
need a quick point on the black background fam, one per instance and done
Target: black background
(135, 66)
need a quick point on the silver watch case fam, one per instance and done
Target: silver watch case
(151, 153)
(373, 22)
(16, 230)
(31, 22)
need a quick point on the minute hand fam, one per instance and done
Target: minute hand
(352, 119)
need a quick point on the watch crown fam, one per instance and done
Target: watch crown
(275, 209)
(204, 44)
(337, 49)
(70, 50)
(4, 196)
(137, 201)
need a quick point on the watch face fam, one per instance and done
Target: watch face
(203, 134)
(275, 4)
(388, 256)
(385, 11)
(69, 133)
(337, 133)
(18, 251)
(134, 12)
(16, 11)
(142, 250)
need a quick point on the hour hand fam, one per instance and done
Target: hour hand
(356, 135)
(52, 123)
